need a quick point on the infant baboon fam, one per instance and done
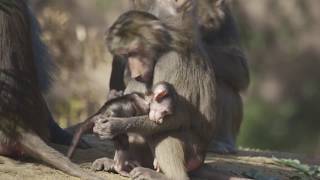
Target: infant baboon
(158, 103)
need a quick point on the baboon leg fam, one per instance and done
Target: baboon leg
(229, 115)
(139, 154)
(43, 152)
(169, 151)
(29, 143)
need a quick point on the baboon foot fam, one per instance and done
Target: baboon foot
(141, 173)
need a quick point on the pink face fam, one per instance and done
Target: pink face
(162, 103)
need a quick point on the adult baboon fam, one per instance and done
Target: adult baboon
(221, 42)
(170, 52)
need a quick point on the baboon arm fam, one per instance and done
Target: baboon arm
(109, 127)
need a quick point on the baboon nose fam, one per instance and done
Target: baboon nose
(142, 79)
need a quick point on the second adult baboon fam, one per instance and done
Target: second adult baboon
(24, 114)
(220, 37)
(172, 53)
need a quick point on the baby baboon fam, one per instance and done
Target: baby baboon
(158, 103)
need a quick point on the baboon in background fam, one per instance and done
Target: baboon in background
(221, 41)
(166, 52)
(24, 114)
(221, 38)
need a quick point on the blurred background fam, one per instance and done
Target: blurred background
(281, 39)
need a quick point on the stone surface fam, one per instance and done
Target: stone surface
(246, 163)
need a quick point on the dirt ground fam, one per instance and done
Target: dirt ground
(247, 163)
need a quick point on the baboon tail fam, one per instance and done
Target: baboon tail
(81, 128)
(34, 146)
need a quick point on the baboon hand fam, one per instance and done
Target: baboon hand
(108, 129)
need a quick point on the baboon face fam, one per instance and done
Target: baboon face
(140, 38)
(141, 63)
(140, 59)
(163, 100)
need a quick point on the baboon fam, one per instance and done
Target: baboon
(158, 103)
(222, 42)
(170, 52)
(24, 114)
(220, 38)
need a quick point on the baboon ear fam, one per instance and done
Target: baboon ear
(160, 96)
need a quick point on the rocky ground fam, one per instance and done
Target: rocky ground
(251, 164)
